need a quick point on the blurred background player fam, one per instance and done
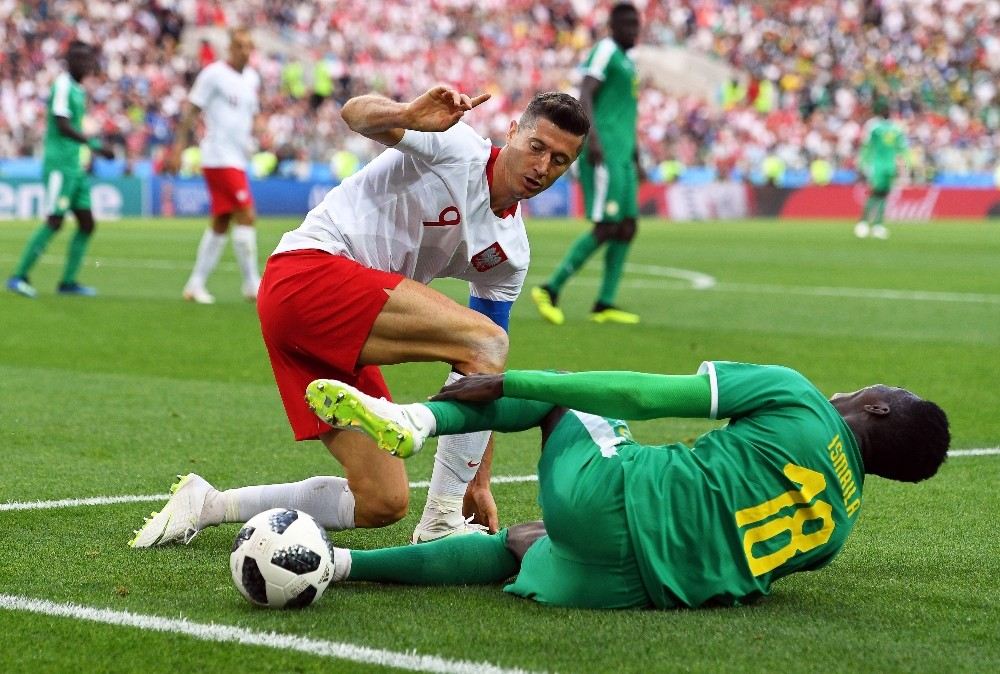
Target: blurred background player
(67, 183)
(608, 169)
(884, 144)
(345, 293)
(227, 92)
(776, 491)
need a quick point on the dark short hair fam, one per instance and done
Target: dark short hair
(79, 47)
(621, 8)
(561, 109)
(911, 443)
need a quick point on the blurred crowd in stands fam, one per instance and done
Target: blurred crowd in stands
(808, 72)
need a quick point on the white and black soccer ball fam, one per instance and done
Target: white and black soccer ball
(281, 559)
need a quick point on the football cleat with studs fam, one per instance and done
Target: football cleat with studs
(391, 426)
(545, 302)
(613, 315)
(179, 520)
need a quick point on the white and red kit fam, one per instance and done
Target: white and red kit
(420, 210)
(228, 100)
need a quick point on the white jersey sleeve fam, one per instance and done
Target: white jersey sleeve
(203, 88)
(448, 147)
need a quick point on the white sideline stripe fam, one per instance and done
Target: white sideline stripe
(983, 451)
(72, 502)
(809, 291)
(241, 635)
(422, 484)
(695, 281)
(111, 500)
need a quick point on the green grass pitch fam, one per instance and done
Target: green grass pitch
(113, 396)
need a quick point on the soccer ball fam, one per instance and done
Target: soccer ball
(281, 559)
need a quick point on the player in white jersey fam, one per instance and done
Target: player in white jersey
(344, 293)
(226, 93)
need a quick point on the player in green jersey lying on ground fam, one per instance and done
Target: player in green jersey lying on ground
(776, 490)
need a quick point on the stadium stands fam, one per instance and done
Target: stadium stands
(807, 72)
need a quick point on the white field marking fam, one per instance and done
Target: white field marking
(695, 281)
(983, 451)
(112, 500)
(422, 484)
(699, 280)
(812, 291)
(73, 502)
(128, 263)
(412, 661)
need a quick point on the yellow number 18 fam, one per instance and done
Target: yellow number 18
(812, 483)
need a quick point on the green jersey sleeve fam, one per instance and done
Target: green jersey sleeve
(623, 395)
(740, 389)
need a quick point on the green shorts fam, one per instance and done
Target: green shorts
(587, 559)
(610, 190)
(66, 190)
(880, 178)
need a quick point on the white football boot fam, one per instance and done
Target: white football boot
(862, 230)
(880, 232)
(443, 517)
(198, 295)
(180, 519)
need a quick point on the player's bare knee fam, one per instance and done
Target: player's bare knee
(380, 508)
(486, 351)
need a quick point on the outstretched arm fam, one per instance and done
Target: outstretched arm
(385, 120)
(94, 143)
(627, 395)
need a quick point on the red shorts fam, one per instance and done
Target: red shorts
(228, 189)
(316, 312)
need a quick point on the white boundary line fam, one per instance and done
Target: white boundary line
(241, 635)
(140, 498)
(423, 484)
(983, 451)
(694, 280)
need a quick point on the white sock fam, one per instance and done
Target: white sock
(341, 564)
(455, 464)
(245, 246)
(328, 499)
(209, 251)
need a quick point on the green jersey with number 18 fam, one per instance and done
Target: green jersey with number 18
(776, 490)
(67, 99)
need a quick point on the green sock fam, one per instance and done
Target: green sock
(869, 211)
(614, 268)
(74, 256)
(473, 559)
(578, 254)
(879, 211)
(37, 244)
(506, 415)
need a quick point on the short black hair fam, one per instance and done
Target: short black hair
(623, 7)
(911, 443)
(79, 47)
(561, 109)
